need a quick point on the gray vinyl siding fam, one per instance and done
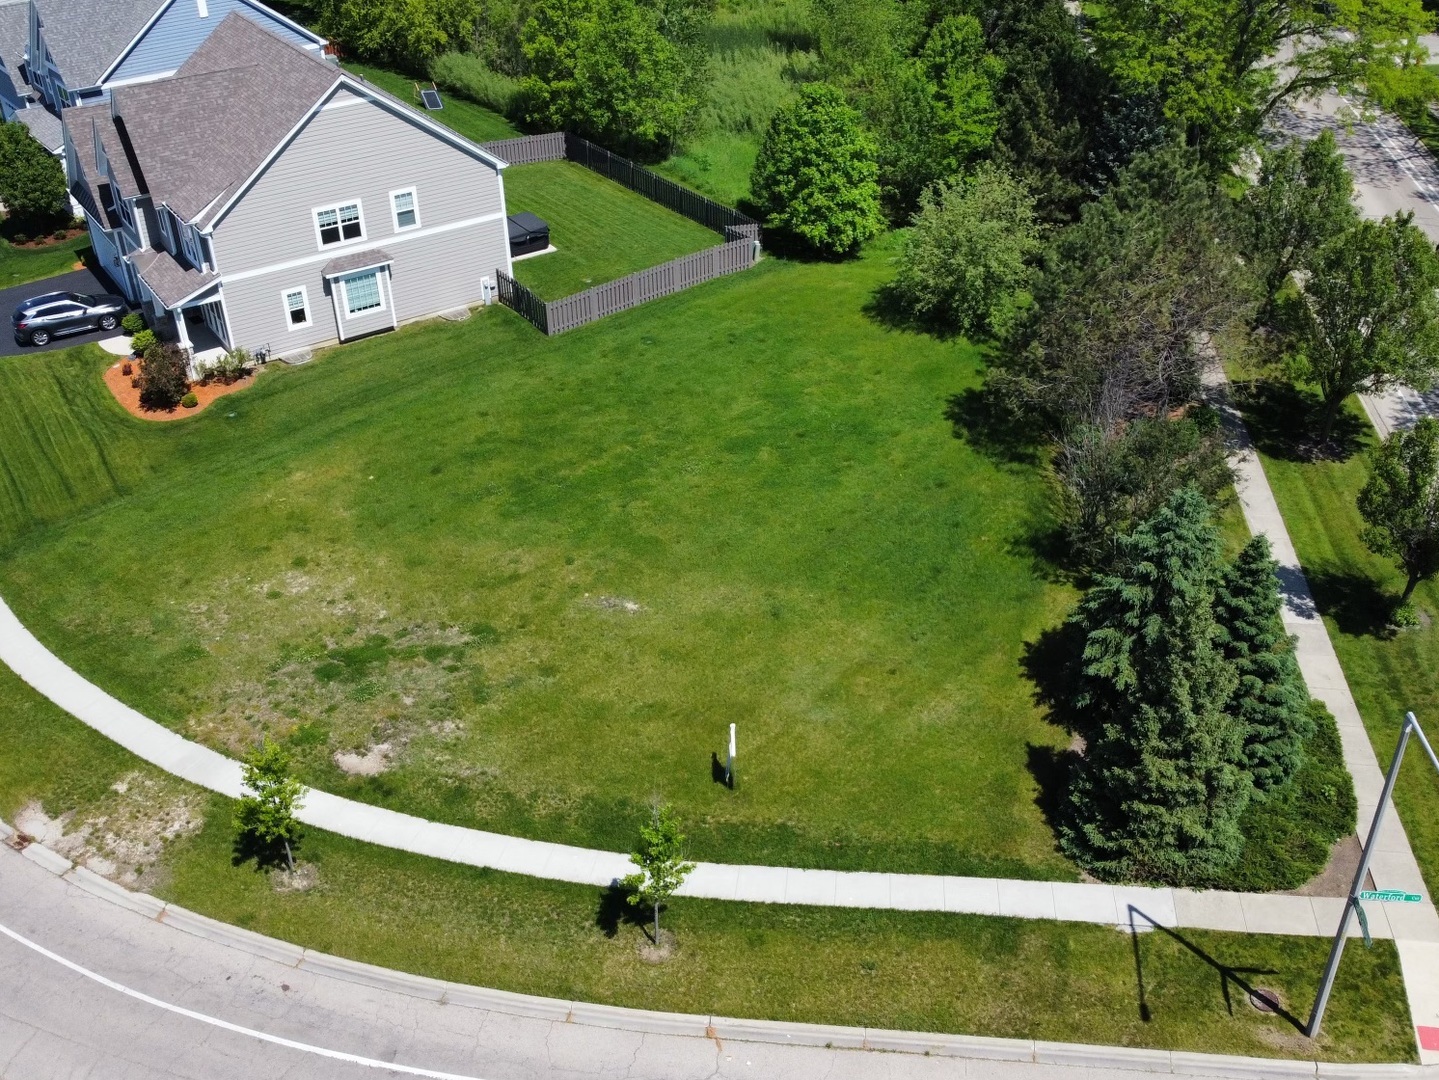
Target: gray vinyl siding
(359, 152)
(181, 30)
(430, 274)
(356, 152)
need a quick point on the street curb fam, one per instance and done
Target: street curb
(774, 1032)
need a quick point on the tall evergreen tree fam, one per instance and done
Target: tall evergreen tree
(1270, 700)
(1161, 786)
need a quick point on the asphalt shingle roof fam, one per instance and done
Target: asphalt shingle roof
(85, 38)
(168, 279)
(358, 260)
(203, 132)
(45, 126)
(14, 36)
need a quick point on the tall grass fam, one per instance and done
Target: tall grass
(471, 78)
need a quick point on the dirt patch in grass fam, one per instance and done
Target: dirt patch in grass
(124, 836)
(372, 762)
(128, 395)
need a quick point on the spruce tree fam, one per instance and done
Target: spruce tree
(1270, 700)
(1158, 793)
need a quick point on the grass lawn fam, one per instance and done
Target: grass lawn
(548, 573)
(19, 265)
(474, 122)
(1389, 673)
(717, 164)
(602, 230)
(974, 975)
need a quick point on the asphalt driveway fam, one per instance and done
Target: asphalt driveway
(81, 281)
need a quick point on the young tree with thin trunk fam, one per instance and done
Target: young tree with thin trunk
(660, 858)
(1159, 791)
(266, 811)
(1270, 700)
(1368, 317)
(1400, 502)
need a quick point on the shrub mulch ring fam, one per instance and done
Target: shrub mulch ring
(129, 396)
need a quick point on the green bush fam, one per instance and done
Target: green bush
(32, 180)
(143, 341)
(1288, 836)
(132, 323)
(189, 401)
(471, 78)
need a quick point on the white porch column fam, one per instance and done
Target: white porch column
(178, 315)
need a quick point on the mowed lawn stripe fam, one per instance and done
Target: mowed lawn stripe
(601, 230)
(548, 573)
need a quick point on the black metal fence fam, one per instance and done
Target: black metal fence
(740, 251)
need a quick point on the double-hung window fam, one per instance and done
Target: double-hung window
(407, 210)
(297, 308)
(363, 293)
(337, 224)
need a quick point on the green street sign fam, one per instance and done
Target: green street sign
(1363, 924)
(1392, 896)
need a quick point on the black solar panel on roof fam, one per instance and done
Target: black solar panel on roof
(432, 100)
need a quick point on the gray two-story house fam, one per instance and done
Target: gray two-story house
(263, 198)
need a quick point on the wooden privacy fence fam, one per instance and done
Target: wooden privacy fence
(557, 316)
(562, 146)
(740, 250)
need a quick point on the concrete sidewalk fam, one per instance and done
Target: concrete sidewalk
(1063, 901)
(1393, 866)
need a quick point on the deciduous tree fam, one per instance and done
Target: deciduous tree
(816, 176)
(1161, 785)
(1303, 200)
(660, 858)
(32, 181)
(266, 811)
(1368, 317)
(1400, 502)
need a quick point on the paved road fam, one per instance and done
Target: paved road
(57, 1022)
(1393, 171)
(81, 281)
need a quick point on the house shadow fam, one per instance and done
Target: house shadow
(614, 910)
(1230, 978)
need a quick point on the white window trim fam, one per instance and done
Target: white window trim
(285, 306)
(395, 213)
(335, 206)
(166, 230)
(202, 9)
(379, 276)
(192, 247)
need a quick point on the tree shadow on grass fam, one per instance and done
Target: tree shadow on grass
(614, 910)
(1356, 603)
(267, 856)
(1051, 663)
(980, 419)
(1229, 977)
(1284, 421)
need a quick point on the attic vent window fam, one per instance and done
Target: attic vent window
(202, 8)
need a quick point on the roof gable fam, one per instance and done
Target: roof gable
(85, 37)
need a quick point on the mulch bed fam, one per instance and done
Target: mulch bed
(48, 240)
(129, 396)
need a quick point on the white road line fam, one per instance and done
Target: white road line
(319, 1051)
(1373, 126)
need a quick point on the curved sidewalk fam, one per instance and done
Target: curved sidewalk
(152, 977)
(1065, 901)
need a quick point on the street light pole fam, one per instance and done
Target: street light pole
(1351, 904)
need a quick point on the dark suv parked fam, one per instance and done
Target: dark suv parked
(41, 318)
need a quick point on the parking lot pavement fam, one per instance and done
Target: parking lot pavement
(81, 281)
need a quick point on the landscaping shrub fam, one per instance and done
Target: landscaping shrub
(816, 177)
(164, 376)
(132, 323)
(1288, 836)
(473, 79)
(189, 401)
(143, 341)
